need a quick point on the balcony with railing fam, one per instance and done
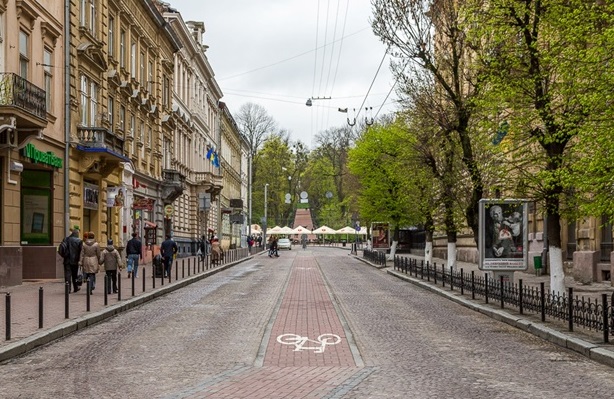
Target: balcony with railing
(210, 182)
(100, 137)
(22, 99)
(173, 185)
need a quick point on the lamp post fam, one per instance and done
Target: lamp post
(266, 186)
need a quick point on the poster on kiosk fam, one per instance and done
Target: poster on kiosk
(503, 238)
(380, 233)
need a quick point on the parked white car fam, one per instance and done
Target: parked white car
(284, 243)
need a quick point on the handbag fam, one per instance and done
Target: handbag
(79, 279)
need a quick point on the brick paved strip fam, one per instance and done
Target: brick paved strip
(283, 382)
(307, 310)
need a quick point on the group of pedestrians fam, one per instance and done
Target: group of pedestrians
(273, 250)
(83, 260)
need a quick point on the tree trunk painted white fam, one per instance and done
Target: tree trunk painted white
(452, 255)
(428, 253)
(557, 274)
(369, 245)
(393, 251)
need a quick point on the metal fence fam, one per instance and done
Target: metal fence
(377, 257)
(592, 314)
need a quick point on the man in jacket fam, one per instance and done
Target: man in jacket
(168, 249)
(71, 261)
(134, 253)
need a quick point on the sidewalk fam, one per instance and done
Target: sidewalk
(25, 333)
(587, 343)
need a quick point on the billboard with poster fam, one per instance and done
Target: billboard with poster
(503, 238)
(116, 197)
(380, 235)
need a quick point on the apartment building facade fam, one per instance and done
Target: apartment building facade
(31, 138)
(110, 120)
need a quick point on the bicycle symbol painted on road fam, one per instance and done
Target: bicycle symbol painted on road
(300, 342)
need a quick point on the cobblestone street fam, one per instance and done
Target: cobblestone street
(313, 323)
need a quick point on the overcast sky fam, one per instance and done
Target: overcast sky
(279, 53)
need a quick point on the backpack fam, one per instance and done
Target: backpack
(63, 248)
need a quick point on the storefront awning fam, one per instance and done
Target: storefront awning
(104, 153)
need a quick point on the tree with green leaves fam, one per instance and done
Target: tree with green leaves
(378, 162)
(428, 44)
(542, 73)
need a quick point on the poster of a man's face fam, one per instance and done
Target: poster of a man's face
(380, 232)
(503, 237)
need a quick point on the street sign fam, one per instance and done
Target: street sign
(168, 210)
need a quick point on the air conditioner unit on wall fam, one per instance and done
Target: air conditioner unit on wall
(8, 138)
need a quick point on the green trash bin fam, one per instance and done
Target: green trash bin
(537, 262)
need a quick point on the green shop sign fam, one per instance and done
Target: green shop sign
(37, 156)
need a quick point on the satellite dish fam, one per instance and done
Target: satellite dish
(329, 195)
(304, 194)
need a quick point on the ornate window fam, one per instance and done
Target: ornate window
(48, 77)
(24, 54)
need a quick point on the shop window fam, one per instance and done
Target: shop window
(36, 199)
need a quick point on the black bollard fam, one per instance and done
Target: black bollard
(40, 307)
(153, 276)
(520, 296)
(501, 292)
(119, 287)
(132, 282)
(176, 271)
(106, 290)
(182, 269)
(542, 295)
(88, 293)
(143, 275)
(570, 308)
(66, 301)
(8, 316)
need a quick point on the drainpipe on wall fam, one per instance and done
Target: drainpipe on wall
(66, 116)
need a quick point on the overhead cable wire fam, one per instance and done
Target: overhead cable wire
(347, 7)
(372, 82)
(389, 92)
(332, 53)
(287, 59)
(315, 58)
(324, 53)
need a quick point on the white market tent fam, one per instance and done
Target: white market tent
(274, 230)
(347, 230)
(286, 230)
(256, 229)
(324, 230)
(301, 230)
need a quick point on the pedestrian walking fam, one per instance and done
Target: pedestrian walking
(134, 252)
(168, 249)
(217, 253)
(111, 261)
(273, 247)
(90, 260)
(202, 247)
(250, 243)
(70, 250)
